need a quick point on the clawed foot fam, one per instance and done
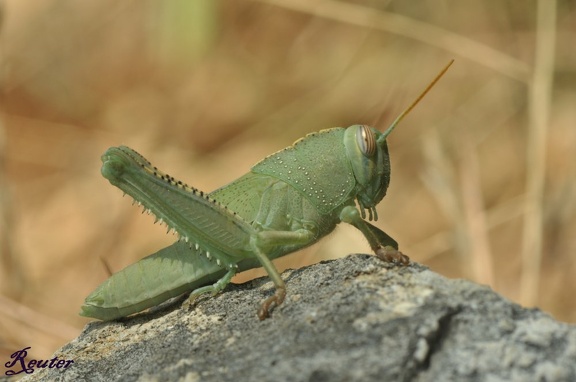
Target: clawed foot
(190, 302)
(193, 298)
(277, 298)
(392, 255)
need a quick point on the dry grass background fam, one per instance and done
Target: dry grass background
(483, 170)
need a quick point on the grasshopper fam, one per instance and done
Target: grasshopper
(288, 201)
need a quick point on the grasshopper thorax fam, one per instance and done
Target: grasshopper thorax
(367, 152)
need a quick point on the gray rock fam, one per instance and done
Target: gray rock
(352, 319)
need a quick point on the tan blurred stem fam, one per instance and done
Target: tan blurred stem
(540, 94)
(475, 213)
(440, 178)
(12, 274)
(408, 27)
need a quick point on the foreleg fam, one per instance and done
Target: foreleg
(381, 243)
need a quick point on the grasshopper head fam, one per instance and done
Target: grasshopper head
(367, 152)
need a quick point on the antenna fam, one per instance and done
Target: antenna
(409, 108)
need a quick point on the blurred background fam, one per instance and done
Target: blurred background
(483, 169)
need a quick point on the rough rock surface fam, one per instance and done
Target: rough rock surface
(352, 319)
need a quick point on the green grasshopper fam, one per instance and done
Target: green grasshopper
(288, 201)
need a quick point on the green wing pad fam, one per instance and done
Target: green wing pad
(244, 195)
(167, 273)
(316, 166)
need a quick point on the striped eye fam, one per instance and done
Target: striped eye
(366, 141)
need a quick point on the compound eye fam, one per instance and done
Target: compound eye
(366, 141)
